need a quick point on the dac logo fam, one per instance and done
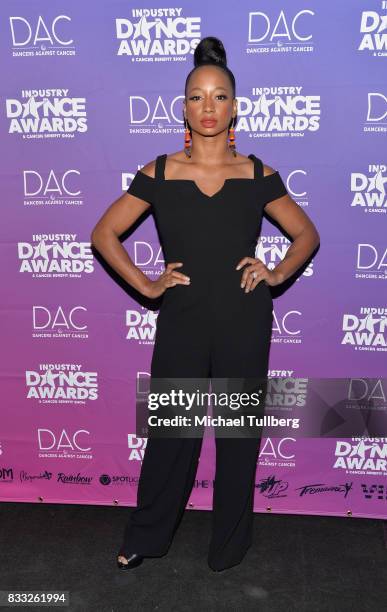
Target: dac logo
(56, 322)
(367, 392)
(55, 189)
(153, 116)
(64, 445)
(31, 38)
(285, 327)
(373, 259)
(277, 452)
(269, 34)
(148, 258)
(376, 112)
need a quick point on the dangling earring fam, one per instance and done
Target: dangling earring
(231, 136)
(187, 139)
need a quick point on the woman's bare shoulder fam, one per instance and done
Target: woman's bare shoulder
(149, 168)
(268, 170)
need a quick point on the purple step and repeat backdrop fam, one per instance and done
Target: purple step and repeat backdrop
(90, 92)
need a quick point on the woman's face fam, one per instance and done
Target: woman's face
(209, 103)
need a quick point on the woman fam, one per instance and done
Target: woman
(216, 314)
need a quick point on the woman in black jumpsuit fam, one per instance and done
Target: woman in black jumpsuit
(208, 329)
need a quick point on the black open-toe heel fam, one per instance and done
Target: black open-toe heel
(133, 561)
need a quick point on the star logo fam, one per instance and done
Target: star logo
(262, 105)
(48, 379)
(361, 448)
(377, 182)
(31, 107)
(383, 23)
(149, 319)
(40, 250)
(369, 323)
(142, 28)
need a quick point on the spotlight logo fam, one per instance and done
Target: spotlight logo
(52, 188)
(41, 36)
(373, 30)
(141, 326)
(367, 330)
(371, 261)
(280, 31)
(368, 189)
(46, 113)
(362, 456)
(272, 249)
(61, 383)
(279, 112)
(158, 34)
(55, 256)
(60, 322)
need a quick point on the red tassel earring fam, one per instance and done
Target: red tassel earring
(187, 139)
(231, 137)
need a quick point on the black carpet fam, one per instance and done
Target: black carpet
(300, 563)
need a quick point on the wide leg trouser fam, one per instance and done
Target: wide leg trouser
(169, 465)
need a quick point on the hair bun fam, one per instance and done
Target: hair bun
(210, 50)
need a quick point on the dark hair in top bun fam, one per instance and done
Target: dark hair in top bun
(210, 51)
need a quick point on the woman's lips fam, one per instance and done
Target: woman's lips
(208, 122)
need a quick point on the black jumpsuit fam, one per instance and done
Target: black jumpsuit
(210, 328)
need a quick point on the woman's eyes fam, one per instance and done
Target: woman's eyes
(218, 96)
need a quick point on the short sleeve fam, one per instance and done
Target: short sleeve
(143, 187)
(273, 187)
